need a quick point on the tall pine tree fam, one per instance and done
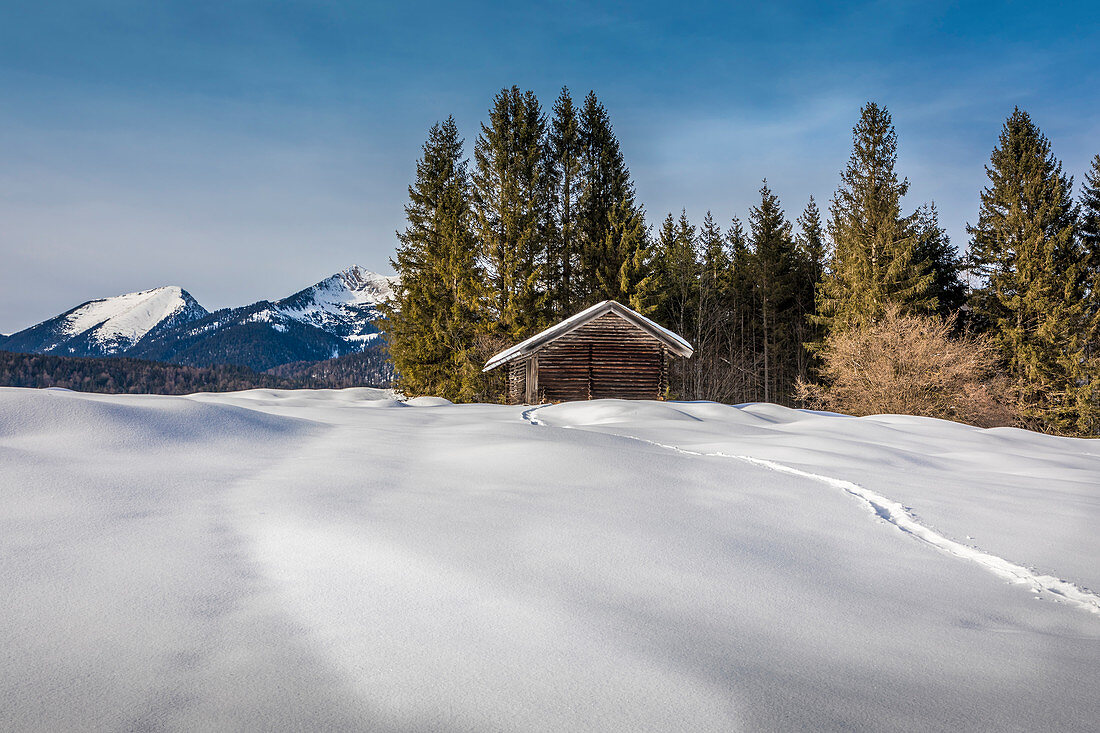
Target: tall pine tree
(776, 276)
(432, 325)
(1090, 240)
(512, 206)
(605, 185)
(934, 248)
(743, 333)
(711, 327)
(810, 253)
(564, 151)
(1090, 213)
(676, 276)
(1035, 277)
(811, 240)
(875, 260)
(623, 271)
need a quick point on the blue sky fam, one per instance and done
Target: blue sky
(246, 149)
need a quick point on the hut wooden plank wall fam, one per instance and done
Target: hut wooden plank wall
(607, 351)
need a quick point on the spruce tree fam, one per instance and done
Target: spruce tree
(715, 258)
(711, 327)
(512, 209)
(624, 269)
(1035, 278)
(1090, 241)
(605, 184)
(743, 337)
(811, 240)
(564, 151)
(431, 327)
(775, 275)
(875, 259)
(682, 261)
(658, 291)
(676, 270)
(810, 253)
(1090, 214)
(934, 248)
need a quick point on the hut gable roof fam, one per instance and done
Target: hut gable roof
(675, 343)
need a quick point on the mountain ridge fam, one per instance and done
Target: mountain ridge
(108, 326)
(329, 319)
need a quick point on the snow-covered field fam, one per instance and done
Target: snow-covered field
(339, 560)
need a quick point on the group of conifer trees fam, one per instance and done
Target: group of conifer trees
(1037, 254)
(546, 223)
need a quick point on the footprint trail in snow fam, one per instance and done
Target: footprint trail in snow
(898, 515)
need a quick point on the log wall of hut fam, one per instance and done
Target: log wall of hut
(605, 358)
(517, 384)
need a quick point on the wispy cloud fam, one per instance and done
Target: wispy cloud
(242, 149)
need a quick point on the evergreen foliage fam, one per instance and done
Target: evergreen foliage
(777, 271)
(564, 150)
(678, 247)
(744, 380)
(370, 367)
(875, 260)
(1090, 242)
(623, 266)
(711, 328)
(811, 241)
(605, 186)
(1035, 279)
(548, 224)
(934, 248)
(677, 250)
(433, 323)
(714, 274)
(512, 212)
(811, 252)
(1090, 214)
(123, 375)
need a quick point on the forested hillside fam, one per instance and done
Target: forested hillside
(122, 375)
(370, 367)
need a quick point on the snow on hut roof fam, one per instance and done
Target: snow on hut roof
(675, 343)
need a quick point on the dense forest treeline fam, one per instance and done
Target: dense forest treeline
(545, 221)
(368, 368)
(123, 375)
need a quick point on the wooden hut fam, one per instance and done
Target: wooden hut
(607, 350)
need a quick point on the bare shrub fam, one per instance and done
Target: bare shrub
(489, 386)
(911, 365)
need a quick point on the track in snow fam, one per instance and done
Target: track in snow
(897, 515)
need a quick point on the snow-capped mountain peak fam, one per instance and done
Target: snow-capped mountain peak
(344, 304)
(125, 318)
(332, 318)
(110, 325)
(364, 285)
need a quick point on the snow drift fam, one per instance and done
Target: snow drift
(342, 559)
